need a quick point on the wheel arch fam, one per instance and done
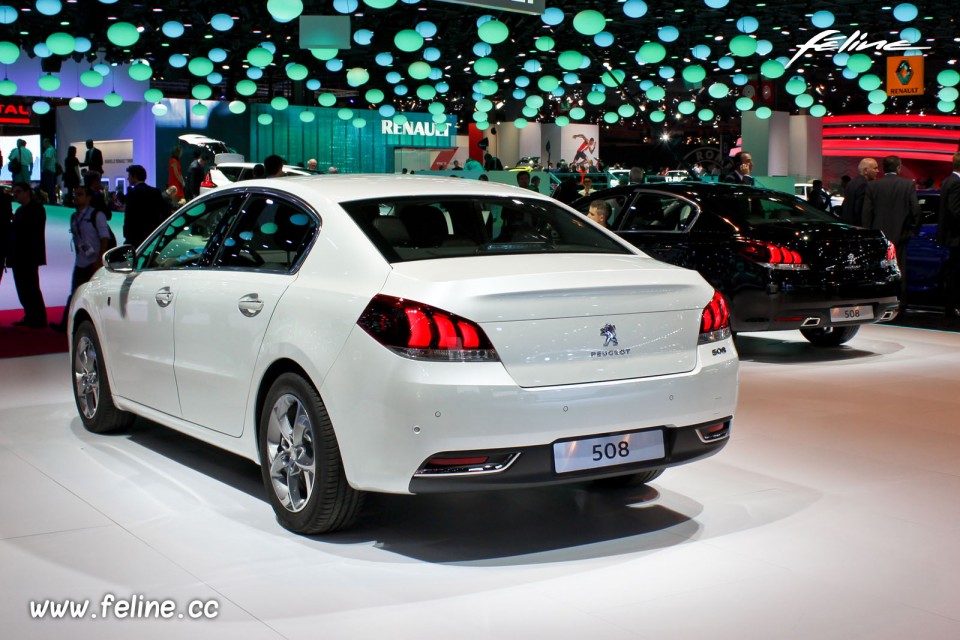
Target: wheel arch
(274, 371)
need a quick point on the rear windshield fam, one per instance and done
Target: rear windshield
(406, 229)
(756, 208)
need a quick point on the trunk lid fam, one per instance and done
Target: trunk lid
(569, 318)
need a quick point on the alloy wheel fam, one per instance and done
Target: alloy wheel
(292, 456)
(86, 378)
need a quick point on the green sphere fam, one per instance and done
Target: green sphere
(485, 66)
(948, 77)
(577, 113)
(610, 117)
(596, 97)
(201, 92)
(718, 90)
(61, 44)
(764, 113)
(91, 79)
(772, 69)
(419, 70)
(260, 57)
(859, 62)
(547, 83)
(200, 66)
(627, 110)
(562, 121)
(652, 52)
(345, 114)
(694, 74)
(869, 82)
(570, 60)
(237, 107)
(153, 95)
(246, 87)
(297, 71)
(589, 22)
(357, 76)
(265, 119)
(657, 116)
(307, 116)
(614, 78)
(686, 107)
(140, 72)
(520, 123)
(279, 103)
(818, 111)
(373, 96)
(743, 46)
(327, 99)
(426, 92)
(796, 85)
(744, 104)
(804, 100)
(9, 52)
(705, 115)
(656, 93)
(493, 32)
(358, 123)
(544, 43)
(408, 40)
(49, 82)
(122, 34)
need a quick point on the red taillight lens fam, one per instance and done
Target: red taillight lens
(715, 320)
(417, 330)
(770, 254)
(891, 251)
(207, 182)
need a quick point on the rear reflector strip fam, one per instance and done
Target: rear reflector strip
(466, 465)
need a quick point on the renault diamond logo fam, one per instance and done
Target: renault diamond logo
(609, 331)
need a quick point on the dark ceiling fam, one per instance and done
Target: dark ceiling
(783, 25)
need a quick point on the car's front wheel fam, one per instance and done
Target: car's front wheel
(829, 336)
(91, 389)
(300, 461)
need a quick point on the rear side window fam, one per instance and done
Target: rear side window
(271, 234)
(756, 208)
(232, 173)
(659, 212)
(422, 229)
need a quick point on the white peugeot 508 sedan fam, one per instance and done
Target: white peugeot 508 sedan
(406, 335)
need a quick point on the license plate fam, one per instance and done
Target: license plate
(608, 451)
(851, 314)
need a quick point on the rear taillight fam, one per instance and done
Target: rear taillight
(772, 256)
(207, 182)
(891, 259)
(715, 320)
(416, 330)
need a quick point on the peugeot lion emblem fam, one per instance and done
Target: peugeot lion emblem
(609, 331)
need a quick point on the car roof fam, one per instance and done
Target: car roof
(351, 187)
(693, 189)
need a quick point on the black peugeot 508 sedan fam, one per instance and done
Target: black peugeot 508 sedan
(781, 263)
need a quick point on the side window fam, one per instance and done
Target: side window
(616, 203)
(270, 235)
(189, 239)
(658, 212)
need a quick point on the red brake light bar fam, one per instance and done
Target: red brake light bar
(772, 255)
(715, 320)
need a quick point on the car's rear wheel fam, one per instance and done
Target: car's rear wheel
(300, 461)
(829, 336)
(91, 389)
(642, 477)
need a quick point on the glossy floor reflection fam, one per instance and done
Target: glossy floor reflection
(832, 514)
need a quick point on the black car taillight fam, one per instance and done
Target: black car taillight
(207, 182)
(772, 255)
(715, 320)
(422, 332)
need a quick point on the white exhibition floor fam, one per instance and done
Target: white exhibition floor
(833, 513)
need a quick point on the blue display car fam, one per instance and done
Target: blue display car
(926, 258)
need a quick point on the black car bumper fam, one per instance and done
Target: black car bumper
(534, 466)
(756, 310)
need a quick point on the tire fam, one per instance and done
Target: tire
(829, 336)
(91, 389)
(630, 480)
(309, 491)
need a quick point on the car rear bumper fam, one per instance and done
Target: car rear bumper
(410, 411)
(754, 310)
(535, 466)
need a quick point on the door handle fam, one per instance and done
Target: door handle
(250, 305)
(164, 297)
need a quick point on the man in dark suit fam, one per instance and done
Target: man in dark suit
(93, 160)
(6, 222)
(890, 204)
(742, 169)
(145, 208)
(948, 235)
(28, 251)
(856, 190)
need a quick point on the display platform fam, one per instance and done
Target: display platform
(830, 515)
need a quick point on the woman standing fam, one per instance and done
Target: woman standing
(176, 173)
(71, 176)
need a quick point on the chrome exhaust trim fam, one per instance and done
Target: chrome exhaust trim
(811, 322)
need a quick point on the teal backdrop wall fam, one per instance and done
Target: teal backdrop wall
(337, 142)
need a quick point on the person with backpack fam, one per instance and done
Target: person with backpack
(20, 163)
(92, 238)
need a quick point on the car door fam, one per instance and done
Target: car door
(140, 326)
(222, 318)
(659, 224)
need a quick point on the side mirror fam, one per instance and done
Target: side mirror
(119, 259)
